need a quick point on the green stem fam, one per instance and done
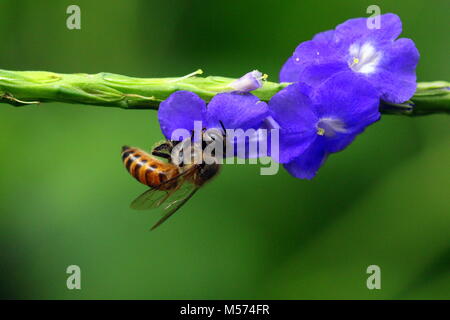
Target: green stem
(112, 90)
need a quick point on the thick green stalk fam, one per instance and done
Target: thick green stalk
(113, 90)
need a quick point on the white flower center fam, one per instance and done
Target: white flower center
(363, 59)
(328, 127)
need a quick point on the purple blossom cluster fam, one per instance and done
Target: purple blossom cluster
(338, 79)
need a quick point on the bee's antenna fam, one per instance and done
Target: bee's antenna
(223, 127)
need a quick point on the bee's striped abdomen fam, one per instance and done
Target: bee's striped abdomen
(147, 169)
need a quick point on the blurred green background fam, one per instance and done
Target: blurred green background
(64, 194)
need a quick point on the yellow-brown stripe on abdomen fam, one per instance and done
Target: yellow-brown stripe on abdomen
(141, 173)
(134, 161)
(148, 170)
(152, 176)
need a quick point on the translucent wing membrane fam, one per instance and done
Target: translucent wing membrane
(150, 199)
(173, 206)
(170, 200)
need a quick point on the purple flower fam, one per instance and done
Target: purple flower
(315, 123)
(371, 54)
(249, 82)
(234, 110)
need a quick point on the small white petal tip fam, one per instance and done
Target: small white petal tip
(249, 82)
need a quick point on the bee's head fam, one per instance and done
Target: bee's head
(208, 171)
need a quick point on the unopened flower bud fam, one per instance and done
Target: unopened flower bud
(249, 82)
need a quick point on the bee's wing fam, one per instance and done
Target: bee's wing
(150, 199)
(180, 197)
(155, 197)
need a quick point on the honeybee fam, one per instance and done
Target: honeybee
(176, 181)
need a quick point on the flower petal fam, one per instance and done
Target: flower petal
(314, 51)
(293, 144)
(179, 111)
(236, 111)
(396, 80)
(308, 163)
(292, 110)
(360, 29)
(315, 74)
(340, 142)
(291, 71)
(324, 37)
(349, 98)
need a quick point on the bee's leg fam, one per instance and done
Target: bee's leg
(162, 155)
(223, 128)
(165, 146)
(163, 150)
